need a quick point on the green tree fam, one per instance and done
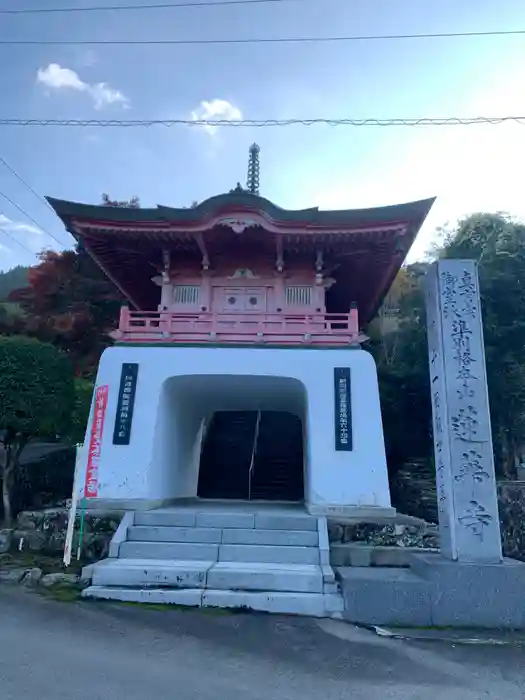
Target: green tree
(398, 344)
(498, 244)
(83, 395)
(36, 400)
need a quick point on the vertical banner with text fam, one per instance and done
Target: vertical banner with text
(95, 441)
(125, 403)
(343, 409)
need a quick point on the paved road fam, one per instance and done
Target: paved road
(92, 651)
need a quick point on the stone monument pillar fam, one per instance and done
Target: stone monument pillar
(465, 478)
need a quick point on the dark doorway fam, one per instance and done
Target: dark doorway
(252, 455)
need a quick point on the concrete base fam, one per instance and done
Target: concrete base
(311, 604)
(360, 513)
(358, 554)
(436, 592)
(474, 595)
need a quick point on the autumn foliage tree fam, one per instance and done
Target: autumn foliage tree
(70, 303)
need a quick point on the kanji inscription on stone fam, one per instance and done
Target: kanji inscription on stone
(466, 485)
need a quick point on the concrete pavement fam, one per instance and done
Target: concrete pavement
(91, 651)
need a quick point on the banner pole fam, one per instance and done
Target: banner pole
(81, 530)
(73, 508)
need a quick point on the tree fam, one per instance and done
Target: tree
(12, 279)
(70, 302)
(400, 351)
(498, 244)
(83, 395)
(133, 203)
(36, 400)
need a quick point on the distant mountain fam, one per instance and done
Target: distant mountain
(12, 279)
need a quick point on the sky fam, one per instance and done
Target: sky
(469, 168)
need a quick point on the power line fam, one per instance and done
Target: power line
(262, 123)
(22, 245)
(262, 40)
(25, 183)
(154, 6)
(34, 192)
(28, 216)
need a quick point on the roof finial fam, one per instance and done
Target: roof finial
(252, 181)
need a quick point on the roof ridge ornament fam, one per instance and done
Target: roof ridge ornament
(239, 188)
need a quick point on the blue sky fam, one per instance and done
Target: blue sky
(468, 168)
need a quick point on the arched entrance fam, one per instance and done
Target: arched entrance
(232, 436)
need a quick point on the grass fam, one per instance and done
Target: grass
(63, 594)
(32, 560)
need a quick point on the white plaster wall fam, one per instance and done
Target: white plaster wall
(179, 386)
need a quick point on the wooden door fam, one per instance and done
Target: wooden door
(243, 300)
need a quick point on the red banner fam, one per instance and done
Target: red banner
(95, 441)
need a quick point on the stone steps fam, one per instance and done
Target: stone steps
(224, 519)
(206, 574)
(299, 538)
(312, 604)
(267, 559)
(279, 554)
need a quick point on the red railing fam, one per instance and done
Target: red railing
(250, 328)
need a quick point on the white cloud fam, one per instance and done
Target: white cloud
(18, 226)
(55, 77)
(213, 110)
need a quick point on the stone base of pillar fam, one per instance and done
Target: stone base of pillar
(436, 592)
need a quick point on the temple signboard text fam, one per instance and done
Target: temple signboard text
(125, 403)
(343, 410)
(463, 450)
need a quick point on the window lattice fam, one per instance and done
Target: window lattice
(187, 294)
(299, 296)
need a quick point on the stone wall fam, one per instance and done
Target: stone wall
(414, 493)
(44, 531)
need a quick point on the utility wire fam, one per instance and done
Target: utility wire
(154, 6)
(28, 216)
(22, 245)
(34, 192)
(261, 40)
(262, 123)
(26, 184)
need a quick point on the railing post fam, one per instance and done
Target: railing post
(165, 319)
(123, 322)
(354, 319)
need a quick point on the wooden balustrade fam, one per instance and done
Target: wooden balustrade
(249, 328)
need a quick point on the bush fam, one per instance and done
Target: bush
(83, 396)
(36, 401)
(45, 482)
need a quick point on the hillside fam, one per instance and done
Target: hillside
(12, 279)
